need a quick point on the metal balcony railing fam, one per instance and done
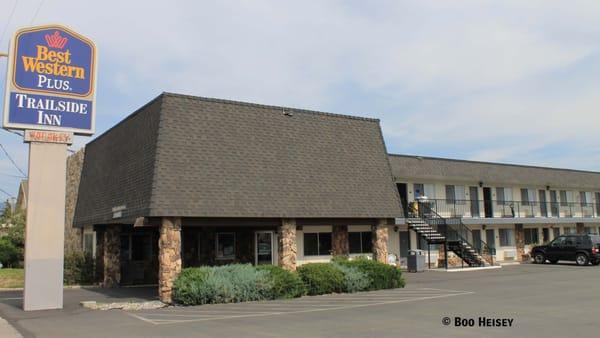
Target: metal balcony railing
(513, 209)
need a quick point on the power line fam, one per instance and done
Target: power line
(12, 12)
(4, 191)
(13, 161)
(11, 175)
(36, 12)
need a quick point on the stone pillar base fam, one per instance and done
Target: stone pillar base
(380, 239)
(287, 248)
(112, 256)
(339, 238)
(169, 257)
(520, 242)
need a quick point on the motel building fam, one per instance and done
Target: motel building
(187, 181)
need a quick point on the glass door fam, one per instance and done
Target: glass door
(264, 247)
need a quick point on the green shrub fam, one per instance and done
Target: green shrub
(10, 254)
(221, 284)
(380, 275)
(79, 268)
(354, 279)
(321, 278)
(284, 283)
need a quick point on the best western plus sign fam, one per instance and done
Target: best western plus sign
(51, 80)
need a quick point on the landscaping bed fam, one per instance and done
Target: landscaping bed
(244, 282)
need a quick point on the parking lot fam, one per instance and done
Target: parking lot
(537, 300)
(212, 312)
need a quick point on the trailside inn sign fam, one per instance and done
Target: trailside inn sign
(51, 80)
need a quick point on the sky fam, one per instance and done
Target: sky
(502, 81)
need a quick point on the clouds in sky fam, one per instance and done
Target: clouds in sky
(513, 81)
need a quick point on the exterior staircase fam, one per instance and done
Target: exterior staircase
(450, 232)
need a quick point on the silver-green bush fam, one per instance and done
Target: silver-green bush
(221, 284)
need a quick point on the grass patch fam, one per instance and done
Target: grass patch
(12, 278)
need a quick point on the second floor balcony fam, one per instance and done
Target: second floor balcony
(513, 209)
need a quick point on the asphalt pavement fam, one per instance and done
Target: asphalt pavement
(523, 300)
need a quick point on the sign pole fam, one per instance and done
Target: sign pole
(44, 235)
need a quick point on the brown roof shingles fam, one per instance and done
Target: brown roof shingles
(217, 158)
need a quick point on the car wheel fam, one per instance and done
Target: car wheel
(595, 262)
(581, 259)
(539, 258)
(554, 261)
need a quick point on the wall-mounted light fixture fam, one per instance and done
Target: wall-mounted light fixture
(480, 184)
(396, 228)
(547, 187)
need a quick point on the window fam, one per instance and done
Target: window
(500, 196)
(563, 198)
(524, 197)
(360, 242)
(88, 243)
(507, 237)
(419, 190)
(225, 245)
(585, 197)
(450, 197)
(531, 236)
(590, 230)
(569, 230)
(317, 244)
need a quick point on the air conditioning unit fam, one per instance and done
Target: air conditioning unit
(510, 254)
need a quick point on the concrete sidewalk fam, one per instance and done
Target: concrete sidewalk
(7, 331)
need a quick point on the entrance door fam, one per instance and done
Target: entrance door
(490, 238)
(543, 206)
(404, 243)
(477, 239)
(403, 197)
(264, 247)
(487, 202)
(474, 193)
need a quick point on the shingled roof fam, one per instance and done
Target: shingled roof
(449, 170)
(198, 157)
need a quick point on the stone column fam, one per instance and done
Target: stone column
(287, 247)
(112, 256)
(169, 257)
(380, 239)
(520, 241)
(339, 238)
(580, 228)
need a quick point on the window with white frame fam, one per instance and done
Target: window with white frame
(528, 196)
(225, 243)
(360, 242)
(585, 197)
(317, 244)
(507, 237)
(500, 199)
(531, 236)
(455, 194)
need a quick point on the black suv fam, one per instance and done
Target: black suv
(582, 249)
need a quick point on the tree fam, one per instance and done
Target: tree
(12, 245)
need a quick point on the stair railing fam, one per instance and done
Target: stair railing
(452, 228)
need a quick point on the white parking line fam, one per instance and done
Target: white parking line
(276, 308)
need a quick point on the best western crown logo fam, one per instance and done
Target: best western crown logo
(56, 41)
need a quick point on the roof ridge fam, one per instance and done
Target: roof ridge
(494, 163)
(258, 105)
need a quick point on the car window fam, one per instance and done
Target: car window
(595, 239)
(569, 241)
(558, 241)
